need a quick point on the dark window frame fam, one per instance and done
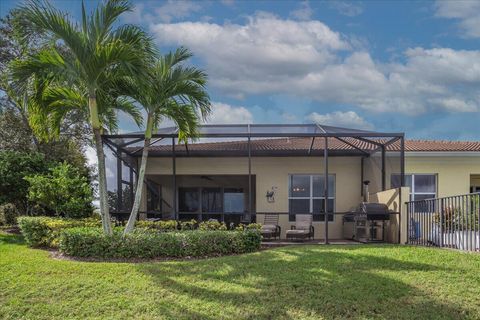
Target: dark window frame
(413, 192)
(317, 216)
(202, 215)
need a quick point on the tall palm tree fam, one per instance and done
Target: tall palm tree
(87, 58)
(171, 91)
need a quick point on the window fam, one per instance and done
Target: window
(307, 195)
(188, 199)
(212, 200)
(210, 203)
(234, 200)
(153, 197)
(422, 186)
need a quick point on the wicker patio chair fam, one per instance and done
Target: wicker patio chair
(302, 229)
(270, 227)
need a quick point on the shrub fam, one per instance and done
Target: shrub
(93, 243)
(63, 191)
(250, 226)
(8, 214)
(14, 166)
(45, 231)
(163, 225)
(188, 225)
(212, 225)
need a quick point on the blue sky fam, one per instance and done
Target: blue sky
(410, 66)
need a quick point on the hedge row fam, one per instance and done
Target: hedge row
(93, 243)
(172, 225)
(45, 231)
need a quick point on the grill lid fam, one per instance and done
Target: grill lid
(374, 211)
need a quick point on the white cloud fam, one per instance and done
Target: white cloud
(176, 9)
(348, 119)
(347, 8)
(269, 55)
(467, 12)
(288, 117)
(135, 16)
(91, 156)
(258, 55)
(223, 113)
(169, 11)
(303, 13)
(457, 105)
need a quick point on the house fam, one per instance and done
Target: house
(239, 173)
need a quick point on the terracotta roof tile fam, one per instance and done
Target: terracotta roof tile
(303, 144)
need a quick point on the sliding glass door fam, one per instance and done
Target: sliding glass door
(203, 203)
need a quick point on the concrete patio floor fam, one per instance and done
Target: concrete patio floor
(284, 242)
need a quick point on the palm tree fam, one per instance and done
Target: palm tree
(171, 91)
(87, 58)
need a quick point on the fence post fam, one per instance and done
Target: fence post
(408, 223)
(442, 218)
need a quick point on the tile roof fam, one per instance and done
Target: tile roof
(301, 145)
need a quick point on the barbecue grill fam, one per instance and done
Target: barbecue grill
(367, 222)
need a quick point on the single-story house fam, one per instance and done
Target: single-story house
(240, 173)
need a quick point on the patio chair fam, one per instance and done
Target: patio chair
(270, 227)
(302, 229)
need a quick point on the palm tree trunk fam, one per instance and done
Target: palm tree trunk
(102, 176)
(138, 192)
(141, 176)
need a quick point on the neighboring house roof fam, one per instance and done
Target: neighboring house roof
(441, 145)
(299, 146)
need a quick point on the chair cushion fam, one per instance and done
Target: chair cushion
(302, 226)
(269, 227)
(296, 231)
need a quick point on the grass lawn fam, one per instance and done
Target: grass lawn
(303, 282)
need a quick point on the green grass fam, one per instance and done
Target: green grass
(303, 282)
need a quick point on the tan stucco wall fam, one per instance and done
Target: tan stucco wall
(274, 172)
(395, 200)
(453, 173)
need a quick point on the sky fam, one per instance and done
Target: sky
(391, 66)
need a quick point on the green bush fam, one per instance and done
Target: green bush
(163, 225)
(250, 226)
(14, 166)
(8, 214)
(188, 225)
(45, 231)
(63, 191)
(147, 244)
(212, 225)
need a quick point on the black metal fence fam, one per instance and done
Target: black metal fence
(450, 222)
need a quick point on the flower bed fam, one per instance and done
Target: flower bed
(93, 243)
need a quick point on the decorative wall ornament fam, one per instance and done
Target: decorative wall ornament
(271, 194)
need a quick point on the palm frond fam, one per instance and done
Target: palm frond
(127, 106)
(44, 15)
(171, 59)
(47, 63)
(104, 16)
(185, 118)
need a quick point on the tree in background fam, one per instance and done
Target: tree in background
(170, 91)
(91, 57)
(16, 131)
(63, 191)
(14, 166)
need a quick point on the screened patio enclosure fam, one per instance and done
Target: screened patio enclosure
(379, 153)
